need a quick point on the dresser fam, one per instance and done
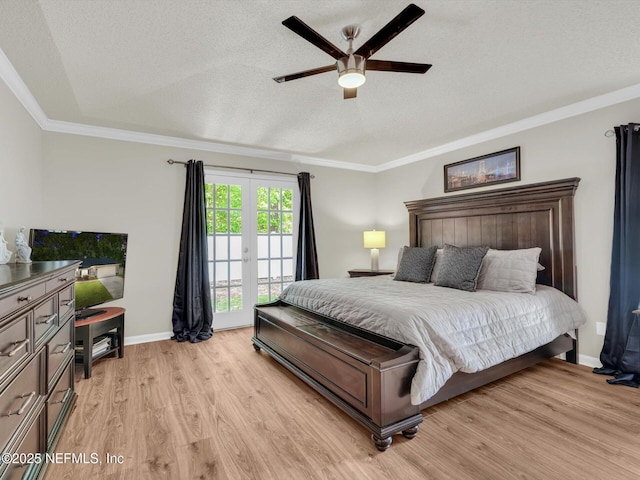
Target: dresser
(37, 307)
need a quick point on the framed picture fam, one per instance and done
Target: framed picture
(499, 167)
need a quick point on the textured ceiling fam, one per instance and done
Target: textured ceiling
(202, 69)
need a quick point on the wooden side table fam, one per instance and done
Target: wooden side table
(367, 272)
(89, 329)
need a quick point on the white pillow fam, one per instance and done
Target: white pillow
(437, 265)
(510, 270)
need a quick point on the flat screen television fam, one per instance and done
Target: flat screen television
(100, 277)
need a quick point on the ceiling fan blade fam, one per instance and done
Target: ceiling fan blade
(305, 73)
(390, 30)
(296, 25)
(350, 93)
(389, 66)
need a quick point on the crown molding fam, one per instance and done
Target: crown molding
(21, 91)
(324, 162)
(59, 126)
(15, 83)
(562, 113)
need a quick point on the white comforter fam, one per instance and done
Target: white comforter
(455, 330)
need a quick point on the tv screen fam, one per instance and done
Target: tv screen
(100, 277)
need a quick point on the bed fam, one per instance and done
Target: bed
(369, 368)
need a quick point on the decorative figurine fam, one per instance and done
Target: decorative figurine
(5, 254)
(23, 250)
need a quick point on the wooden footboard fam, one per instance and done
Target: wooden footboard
(367, 375)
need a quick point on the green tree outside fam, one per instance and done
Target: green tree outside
(224, 209)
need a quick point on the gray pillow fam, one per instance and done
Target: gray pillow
(510, 270)
(460, 267)
(416, 264)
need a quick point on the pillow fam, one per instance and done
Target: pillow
(400, 257)
(460, 267)
(510, 270)
(436, 266)
(416, 264)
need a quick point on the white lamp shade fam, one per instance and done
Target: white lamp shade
(374, 239)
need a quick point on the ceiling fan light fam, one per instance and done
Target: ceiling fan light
(351, 79)
(351, 71)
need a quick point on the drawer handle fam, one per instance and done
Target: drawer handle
(68, 303)
(64, 397)
(25, 299)
(16, 348)
(65, 349)
(28, 399)
(63, 279)
(48, 320)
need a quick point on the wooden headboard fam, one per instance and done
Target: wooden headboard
(537, 215)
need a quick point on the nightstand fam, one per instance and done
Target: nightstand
(367, 272)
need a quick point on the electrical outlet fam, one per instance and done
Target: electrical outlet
(601, 327)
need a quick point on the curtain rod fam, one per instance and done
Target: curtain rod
(251, 170)
(611, 133)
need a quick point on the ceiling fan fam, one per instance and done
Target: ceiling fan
(351, 66)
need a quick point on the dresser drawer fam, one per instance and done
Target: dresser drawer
(45, 318)
(23, 459)
(14, 302)
(18, 399)
(60, 281)
(60, 396)
(14, 344)
(59, 349)
(66, 303)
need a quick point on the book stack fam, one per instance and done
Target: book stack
(100, 345)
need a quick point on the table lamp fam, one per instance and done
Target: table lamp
(374, 240)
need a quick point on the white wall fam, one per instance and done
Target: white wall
(575, 147)
(343, 207)
(107, 185)
(20, 166)
(66, 181)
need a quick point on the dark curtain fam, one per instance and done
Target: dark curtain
(620, 354)
(192, 311)
(307, 256)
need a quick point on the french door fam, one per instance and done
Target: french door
(251, 230)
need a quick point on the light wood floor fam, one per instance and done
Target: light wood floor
(220, 410)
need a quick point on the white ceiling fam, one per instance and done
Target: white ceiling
(202, 70)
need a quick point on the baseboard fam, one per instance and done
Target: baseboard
(586, 360)
(152, 337)
(589, 361)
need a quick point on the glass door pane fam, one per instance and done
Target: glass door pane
(275, 240)
(229, 270)
(251, 225)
